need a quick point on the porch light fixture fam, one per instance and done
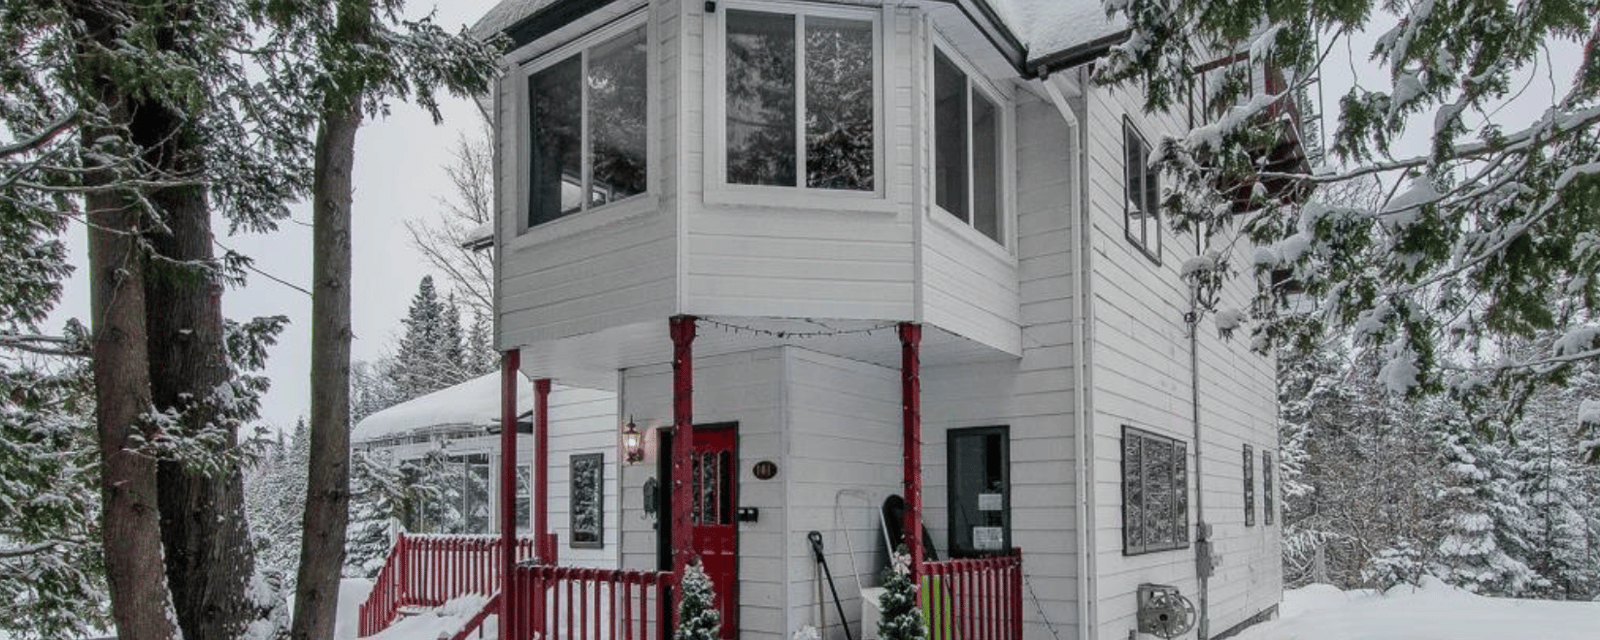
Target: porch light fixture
(632, 443)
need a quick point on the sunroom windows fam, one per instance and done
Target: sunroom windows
(800, 100)
(966, 140)
(588, 124)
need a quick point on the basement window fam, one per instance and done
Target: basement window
(1155, 492)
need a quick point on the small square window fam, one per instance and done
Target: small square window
(1142, 201)
(1155, 492)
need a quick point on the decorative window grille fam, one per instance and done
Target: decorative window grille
(1249, 487)
(1155, 492)
(586, 516)
(1266, 488)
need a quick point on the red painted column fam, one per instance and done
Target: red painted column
(911, 423)
(541, 469)
(510, 364)
(682, 448)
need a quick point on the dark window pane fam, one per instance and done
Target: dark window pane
(1133, 178)
(979, 491)
(1180, 496)
(586, 512)
(761, 98)
(839, 104)
(949, 136)
(1266, 487)
(617, 118)
(524, 504)
(1158, 492)
(555, 156)
(985, 166)
(1249, 487)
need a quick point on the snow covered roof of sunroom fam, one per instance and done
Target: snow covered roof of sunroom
(1044, 26)
(475, 402)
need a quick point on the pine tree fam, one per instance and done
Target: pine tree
(430, 355)
(1482, 545)
(901, 619)
(377, 498)
(698, 618)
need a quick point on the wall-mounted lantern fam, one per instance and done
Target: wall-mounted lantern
(632, 443)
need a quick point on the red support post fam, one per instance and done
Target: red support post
(683, 332)
(911, 422)
(510, 365)
(541, 462)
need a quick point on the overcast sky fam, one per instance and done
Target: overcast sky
(399, 175)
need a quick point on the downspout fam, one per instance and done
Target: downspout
(1082, 416)
(1203, 559)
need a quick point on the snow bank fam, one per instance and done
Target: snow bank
(474, 402)
(1434, 611)
(352, 592)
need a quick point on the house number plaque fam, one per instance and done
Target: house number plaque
(765, 470)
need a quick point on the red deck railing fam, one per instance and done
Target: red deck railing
(976, 599)
(429, 570)
(578, 603)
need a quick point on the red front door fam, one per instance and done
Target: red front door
(715, 480)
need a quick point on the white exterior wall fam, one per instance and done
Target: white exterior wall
(1033, 396)
(1142, 379)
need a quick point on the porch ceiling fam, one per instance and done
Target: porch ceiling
(592, 360)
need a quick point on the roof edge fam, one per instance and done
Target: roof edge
(545, 21)
(1073, 56)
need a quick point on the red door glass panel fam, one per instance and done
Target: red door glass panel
(714, 482)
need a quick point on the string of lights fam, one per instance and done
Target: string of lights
(823, 332)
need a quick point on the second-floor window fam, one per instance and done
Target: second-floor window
(800, 103)
(587, 116)
(1142, 212)
(966, 141)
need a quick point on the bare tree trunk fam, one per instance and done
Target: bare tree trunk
(131, 531)
(328, 483)
(209, 556)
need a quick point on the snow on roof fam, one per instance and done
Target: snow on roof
(479, 236)
(474, 402)
(1043, 26)
(1053, 26)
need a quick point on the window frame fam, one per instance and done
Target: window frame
(1249, 469)
(1180, 516)
(1005, 151)
(951, 499)
(591, 216)
(1267, 502)
(599, 500)
(717, 190)
(1130, 132)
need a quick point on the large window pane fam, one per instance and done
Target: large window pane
(979, 491)
(985, 166)
(839, 103)
(950, 136)
(555, 159)
(617, 112)
(761, 98)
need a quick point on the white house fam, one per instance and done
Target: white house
(826, 251)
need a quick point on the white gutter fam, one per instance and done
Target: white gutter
(1081, 337)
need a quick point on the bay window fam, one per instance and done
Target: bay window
(966, 135)
(588, 124)
(800, 100)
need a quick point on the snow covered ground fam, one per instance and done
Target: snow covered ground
(1434, 611)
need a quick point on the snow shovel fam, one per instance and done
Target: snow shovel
(822, 561)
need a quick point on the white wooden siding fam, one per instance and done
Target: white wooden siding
(1141, 378)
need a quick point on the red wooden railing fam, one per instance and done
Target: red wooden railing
(577, 603)
(429, 570)
(975, 599)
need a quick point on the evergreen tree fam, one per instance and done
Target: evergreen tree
(430, 354)
(1482, 542)
(698, 618)
(901, 619)
(377, 499)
